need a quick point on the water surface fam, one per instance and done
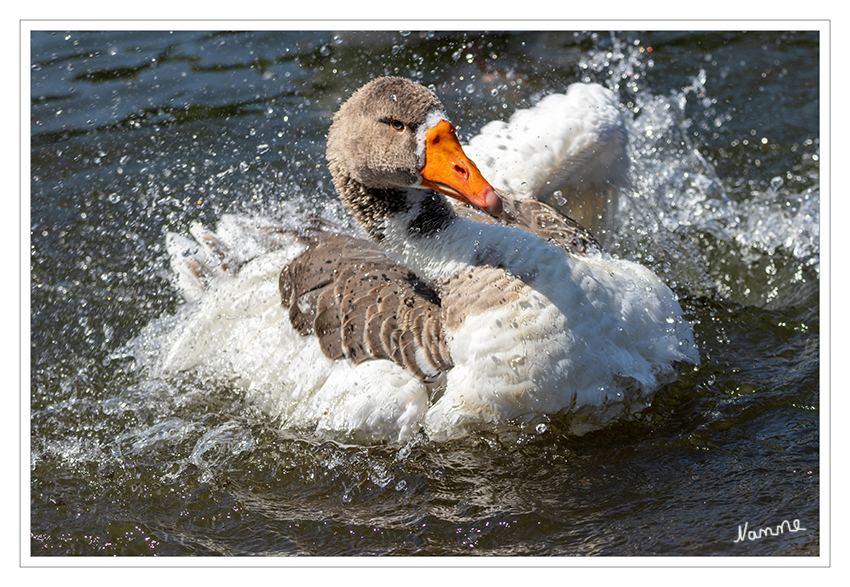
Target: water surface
(137, 134)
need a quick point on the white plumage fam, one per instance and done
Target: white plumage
(569, 150)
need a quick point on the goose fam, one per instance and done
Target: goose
(456, 307)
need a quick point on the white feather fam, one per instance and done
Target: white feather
(577, 139)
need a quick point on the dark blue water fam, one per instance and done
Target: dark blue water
(137, 134)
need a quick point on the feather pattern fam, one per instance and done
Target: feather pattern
(362, 305)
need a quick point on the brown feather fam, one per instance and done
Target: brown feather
(362, 305)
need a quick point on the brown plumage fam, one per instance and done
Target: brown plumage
(366, 173)
(361, 305)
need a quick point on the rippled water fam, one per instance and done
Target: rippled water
(137, 134)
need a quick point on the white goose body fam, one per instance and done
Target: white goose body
(507, 324)
(565, 336)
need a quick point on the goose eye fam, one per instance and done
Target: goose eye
(397, 124)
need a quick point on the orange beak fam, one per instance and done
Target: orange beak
(449, 171)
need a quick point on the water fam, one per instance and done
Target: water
(137, 134)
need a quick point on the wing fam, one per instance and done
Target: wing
(538, 218)
(361, 305)
(578, 139)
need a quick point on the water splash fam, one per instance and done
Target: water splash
(680, 217)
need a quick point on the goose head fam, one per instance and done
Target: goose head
(390, 143)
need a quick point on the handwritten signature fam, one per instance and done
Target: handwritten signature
(744, 533)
